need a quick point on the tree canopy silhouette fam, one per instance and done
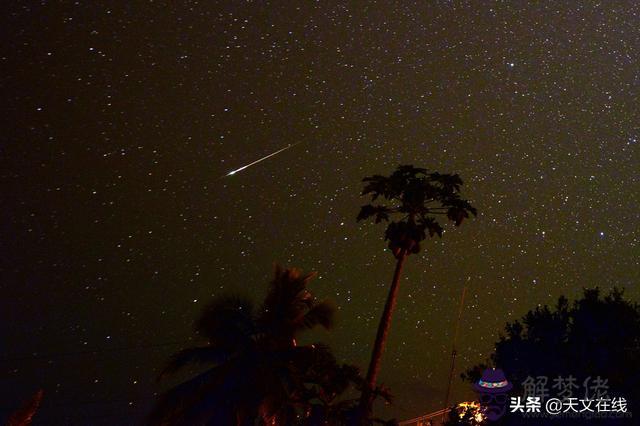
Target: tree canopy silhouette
(595, 337)
(257, 373)
(410, 200)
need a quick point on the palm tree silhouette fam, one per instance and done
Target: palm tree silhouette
(258, 370)
(416, 196)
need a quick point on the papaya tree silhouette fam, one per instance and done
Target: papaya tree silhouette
(257, 369)
(416, 197)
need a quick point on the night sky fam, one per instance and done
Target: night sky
(118, 226)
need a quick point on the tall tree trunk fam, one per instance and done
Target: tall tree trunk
(366, 400)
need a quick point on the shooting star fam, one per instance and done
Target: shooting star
(233, 172)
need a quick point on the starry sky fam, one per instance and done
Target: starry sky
(120, 122)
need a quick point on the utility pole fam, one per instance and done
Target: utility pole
(454, 352)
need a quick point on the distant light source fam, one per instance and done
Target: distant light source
(472, 407)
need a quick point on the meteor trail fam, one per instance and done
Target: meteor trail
(233, 172)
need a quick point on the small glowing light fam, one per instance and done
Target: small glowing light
(474, 408)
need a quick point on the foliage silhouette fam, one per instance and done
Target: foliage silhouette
(415, 197)
(258, 374)
(594, 337)
(325, 381)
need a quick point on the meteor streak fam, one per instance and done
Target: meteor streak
(233, 172)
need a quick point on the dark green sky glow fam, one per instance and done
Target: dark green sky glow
(119, 122)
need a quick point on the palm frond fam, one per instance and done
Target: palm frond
(174, 406)
(220, 395)
(320, 314)
(287, 302)
(198, 355)
(227, 322)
